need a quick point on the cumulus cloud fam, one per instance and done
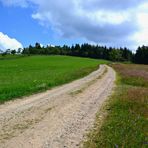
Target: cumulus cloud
(142, 36)
(110, 22)
(8, 43)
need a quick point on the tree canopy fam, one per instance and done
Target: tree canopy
(84, 50)
(91, 51)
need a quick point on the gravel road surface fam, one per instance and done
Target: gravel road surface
(57, 118)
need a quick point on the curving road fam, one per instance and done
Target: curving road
(58, 118)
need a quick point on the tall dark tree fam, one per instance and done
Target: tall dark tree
(141, 55)
(37, 45)
(13, 52)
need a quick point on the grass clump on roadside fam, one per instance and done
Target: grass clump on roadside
(27, 75)
(126, 123)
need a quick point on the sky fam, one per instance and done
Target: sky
(57, 22)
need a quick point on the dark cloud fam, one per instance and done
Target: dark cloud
(104, 34)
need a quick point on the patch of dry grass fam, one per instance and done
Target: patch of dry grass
(126, 123)
(132, 74)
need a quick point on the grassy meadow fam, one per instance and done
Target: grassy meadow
(10, 56)
(126, 120)
(21, 76)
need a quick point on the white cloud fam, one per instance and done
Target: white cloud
(8, 43)
(72, 19)
(141, 37)
(111, 22)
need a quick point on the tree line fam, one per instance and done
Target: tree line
(84, 50)
(90, 51)
(141, 56)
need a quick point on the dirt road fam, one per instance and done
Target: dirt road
(58, 118)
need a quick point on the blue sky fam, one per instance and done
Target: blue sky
(57, 22)
(16, 22)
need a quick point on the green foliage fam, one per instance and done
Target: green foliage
(115, 55)
(13, 52)
(4, 54)
(24, 76)
(141, 55)
(84, 50)
(37, 46)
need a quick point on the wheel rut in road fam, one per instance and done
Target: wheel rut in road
(57, 118)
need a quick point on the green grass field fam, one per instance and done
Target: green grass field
(126, 123)
(10, 57)
(27, 75)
